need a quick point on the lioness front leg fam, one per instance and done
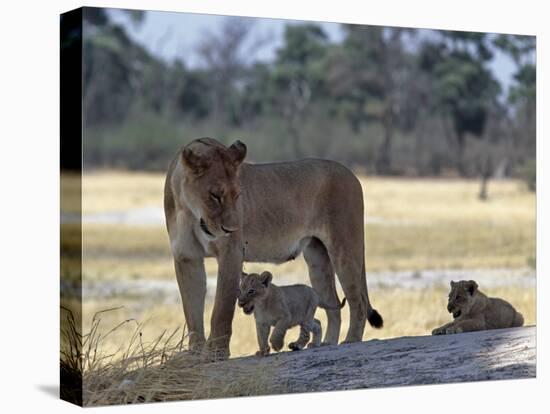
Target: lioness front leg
(277, 339)
(191, 279)
(262, 333)
(229, 271)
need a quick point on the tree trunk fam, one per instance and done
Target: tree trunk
(460, 167)
(383, 161)
(483, 188)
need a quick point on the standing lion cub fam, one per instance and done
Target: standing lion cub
(283, 308)
(474, 311)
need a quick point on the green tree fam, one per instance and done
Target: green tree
(368, 76)
(522, 95)
(463, 85)
(297, 77)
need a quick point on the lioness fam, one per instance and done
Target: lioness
(217, 206)
(283, 308)
(474, 311)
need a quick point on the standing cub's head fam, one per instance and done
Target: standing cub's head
(252, 288)
(461, 297)
(212, 186)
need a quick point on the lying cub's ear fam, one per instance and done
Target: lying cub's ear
(265, 278)
(192, 162)
(471, 286)
(237, 152)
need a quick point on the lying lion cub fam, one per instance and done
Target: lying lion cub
(474, 311)
(283, 308)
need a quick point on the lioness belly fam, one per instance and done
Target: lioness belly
(273, 251)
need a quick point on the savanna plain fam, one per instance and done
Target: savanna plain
(420, 233)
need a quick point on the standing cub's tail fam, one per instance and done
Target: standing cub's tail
(374, 318)
(327, 307)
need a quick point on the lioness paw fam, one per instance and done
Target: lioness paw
(294, 346)
(277, 344)
(263, 352)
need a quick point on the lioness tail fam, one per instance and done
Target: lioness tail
(374, 318)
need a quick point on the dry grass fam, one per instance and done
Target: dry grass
(120, 191)
(406, 312)
(143, 370)
(426, 223)
(410, 224)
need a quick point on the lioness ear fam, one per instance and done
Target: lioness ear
(195, 164)
(266, 277)
(472, 287)
(237, 152)
(453, 284)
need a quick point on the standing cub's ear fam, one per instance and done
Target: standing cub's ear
(471, 286)
(237, 152)
(265, 278)
(192, 162)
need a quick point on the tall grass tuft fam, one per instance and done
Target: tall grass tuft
(160, 370)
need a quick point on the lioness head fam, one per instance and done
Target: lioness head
(212, 188)
(252, 288)
(461, 297)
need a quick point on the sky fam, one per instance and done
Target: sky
(170, 35)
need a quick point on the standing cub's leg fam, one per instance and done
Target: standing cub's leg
(303, 339)
(315, 328)
(317, 334)
(262, 333)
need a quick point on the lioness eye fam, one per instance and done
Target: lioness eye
(251, 291)
(215, 197)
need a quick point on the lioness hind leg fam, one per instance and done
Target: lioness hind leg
(350, 273)
(303, 339)
(321, 274)
(317, 334)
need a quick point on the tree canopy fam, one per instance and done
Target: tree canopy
(384, 100)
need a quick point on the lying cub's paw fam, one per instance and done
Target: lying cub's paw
(454, 330)
(438, 331)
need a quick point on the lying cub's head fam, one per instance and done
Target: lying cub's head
(212, 186)
(252, 288)
(461, 297)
